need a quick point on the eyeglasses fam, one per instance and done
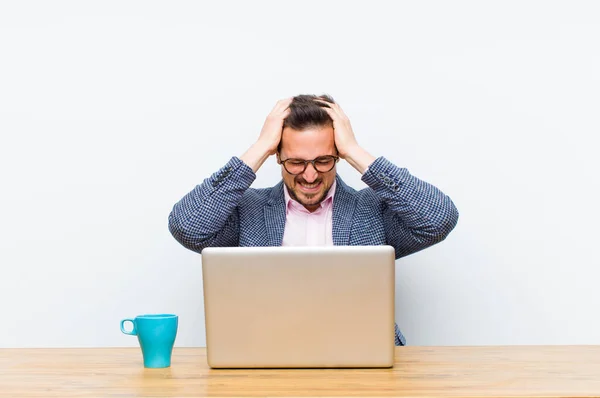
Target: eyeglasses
(322, 164)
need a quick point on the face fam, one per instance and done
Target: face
(310, 187)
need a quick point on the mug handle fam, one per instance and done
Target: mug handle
(133, 331)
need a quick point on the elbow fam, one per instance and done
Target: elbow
(444, 222)
(438, 226)
(187, 236)
(448, 221)
(434, 233)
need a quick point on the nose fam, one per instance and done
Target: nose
(310, 174)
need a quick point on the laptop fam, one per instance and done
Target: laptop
(299, 307)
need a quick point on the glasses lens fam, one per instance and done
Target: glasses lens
(294, 166)
(324, 163)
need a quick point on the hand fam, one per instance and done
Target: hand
(345, 141)
(270, 135)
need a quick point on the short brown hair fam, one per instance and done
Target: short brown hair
(306, 113)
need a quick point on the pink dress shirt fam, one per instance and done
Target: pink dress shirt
(303, 228)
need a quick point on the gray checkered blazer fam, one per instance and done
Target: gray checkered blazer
(395, 209)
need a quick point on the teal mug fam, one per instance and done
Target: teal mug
(156, 334)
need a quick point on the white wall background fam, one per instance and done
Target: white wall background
(110, 111)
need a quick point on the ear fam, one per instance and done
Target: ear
(278, 157)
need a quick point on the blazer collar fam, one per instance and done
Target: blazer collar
(344, 202)
(274, 213)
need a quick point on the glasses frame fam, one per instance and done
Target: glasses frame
(306, 162)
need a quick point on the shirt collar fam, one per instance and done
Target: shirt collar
(289, 201)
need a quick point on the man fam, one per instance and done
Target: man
(312, 205)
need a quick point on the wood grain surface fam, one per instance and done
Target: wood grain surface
(499, 371)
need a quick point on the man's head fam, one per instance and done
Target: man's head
(308, 135)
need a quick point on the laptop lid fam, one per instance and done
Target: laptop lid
(297, 307)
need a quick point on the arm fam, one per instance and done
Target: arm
(208, 215)
(416, 213)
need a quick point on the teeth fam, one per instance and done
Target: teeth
(310, 185)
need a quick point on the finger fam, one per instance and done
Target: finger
(333, 106)
(337, 109)
(329, 104)
(282, 103)
(280, 106)
(285, 103)
(331, 110)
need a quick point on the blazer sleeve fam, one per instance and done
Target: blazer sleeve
(416, 214)
(208, 215)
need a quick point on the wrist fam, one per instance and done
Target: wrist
(266, 149)
(352, 151)
(256, 155)
(359, 158)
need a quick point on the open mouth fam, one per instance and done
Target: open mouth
(309, 188)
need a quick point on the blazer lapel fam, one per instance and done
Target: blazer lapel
(274, 212)
(343, 210)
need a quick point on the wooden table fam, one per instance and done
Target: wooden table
(515, 371)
